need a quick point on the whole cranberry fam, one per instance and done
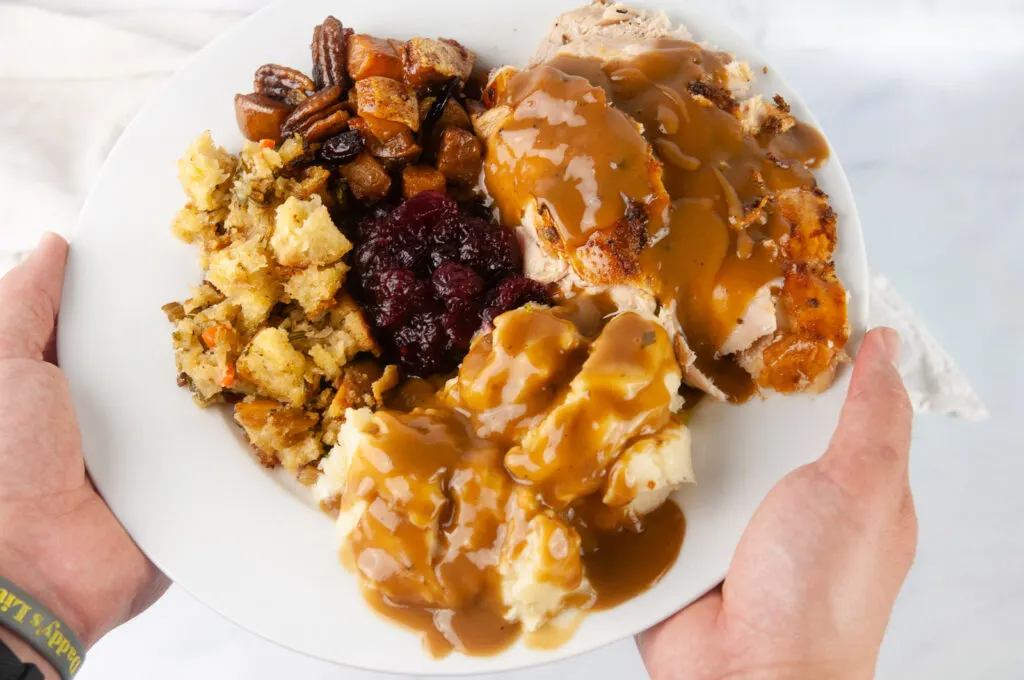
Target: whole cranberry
(512, 293)
(461, 321)
(454, 281)
(396, 293)
(421, 344)
(420, 215)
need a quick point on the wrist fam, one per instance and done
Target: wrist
(28, 576)
(27, 623)
(28, 654)
(36, 564)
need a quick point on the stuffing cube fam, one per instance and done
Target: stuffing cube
(314, 288)
(355, 387)
(367, 178)
(427, 62)
(419, 178)
(275, 367)
(241, 272)
(369, 57)
(389, 99)
(460, 157)
(273, 428)
(352, 336)
(307, 451)
(197, 226)
(305, 235)
(205, 173)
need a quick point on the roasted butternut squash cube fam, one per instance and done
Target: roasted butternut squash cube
(454, 115)
(386, 139)
(460, 157)
(369, 56)
(419, 178)
(427, 62)
(367, 178)
(389, 99)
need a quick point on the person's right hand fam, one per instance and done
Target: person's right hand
(811, 587)
(58, 540)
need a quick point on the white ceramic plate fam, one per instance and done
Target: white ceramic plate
(182, 480)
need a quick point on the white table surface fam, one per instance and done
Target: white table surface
(922, 100)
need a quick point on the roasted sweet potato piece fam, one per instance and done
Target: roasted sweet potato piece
(369, 56)
(367, 178)
(384, 130)
(460, 157)
(389, 99)
(386, 139)
(260, 117)
(419, 178)
(427, 62)
(454, 115)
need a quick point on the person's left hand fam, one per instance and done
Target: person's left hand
(58, 540)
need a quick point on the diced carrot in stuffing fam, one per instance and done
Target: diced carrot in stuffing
(460, 157)
(367, 178)
(228, 379)
(214, 335)
(427, 62)
(419, 178)
(267, 143)
(388, 99)
(369, 56)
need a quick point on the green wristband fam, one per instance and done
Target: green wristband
(37, 626)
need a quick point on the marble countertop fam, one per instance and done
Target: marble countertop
(922, 101)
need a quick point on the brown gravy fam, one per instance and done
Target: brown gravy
(543, 405)
(715, 174)
(718, 243)
(624, 562)
(437, 498)
(533, 155)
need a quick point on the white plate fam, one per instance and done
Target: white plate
(182, 480)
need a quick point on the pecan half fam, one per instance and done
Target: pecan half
(321, 116)
(328, 47)
(283, 83)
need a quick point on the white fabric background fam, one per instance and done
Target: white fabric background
(921, 99)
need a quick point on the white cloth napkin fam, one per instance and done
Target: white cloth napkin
(69, 84)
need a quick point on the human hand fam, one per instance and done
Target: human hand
(811, 587)
(58, 539)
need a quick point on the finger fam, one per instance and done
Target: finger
(683, 639)
(29, 302)
(870, 449)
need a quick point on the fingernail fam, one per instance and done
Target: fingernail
(891, 342)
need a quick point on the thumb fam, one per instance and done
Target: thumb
(684, 641)
(29, 301)
(870, 449)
